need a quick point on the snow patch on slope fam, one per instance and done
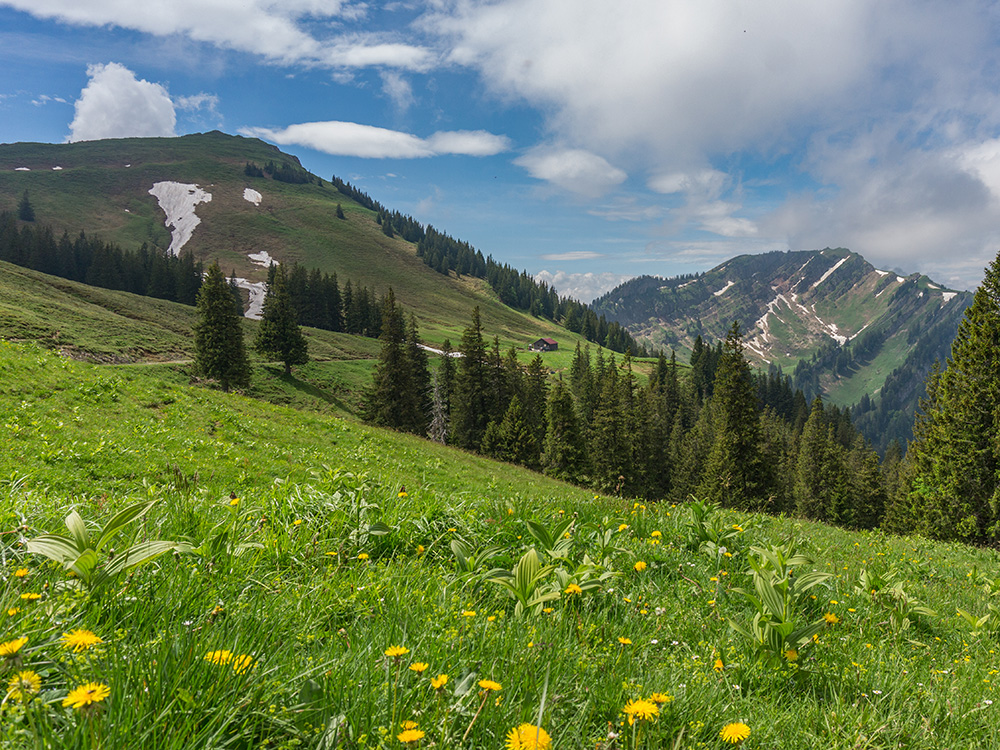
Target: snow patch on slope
(725, 288)
(178, 202)
(826, 275)
(262, 259)
(251, 195)
(948, 296)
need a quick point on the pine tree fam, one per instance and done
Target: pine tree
(470, 400)
(564, 456)
(734, 474)
(384, 403)
(218, 335)
(954, 490)
(25, 211)
(278, 334)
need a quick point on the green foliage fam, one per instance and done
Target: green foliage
(278, 334)
(524, 583)
(218, 335)
(89, 555)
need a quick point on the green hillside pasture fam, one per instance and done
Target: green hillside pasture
(868, 379)
(338, 547)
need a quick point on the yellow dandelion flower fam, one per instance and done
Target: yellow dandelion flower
(79, 640)
(792, 655)
(491, 618)
(639, 566)
(718, 666)
(573, 589)
(452, 529)
(656, 535)
(219, 657)
(468, 613)
(297, 522)
(234, 501)
(410, 735)
(10, 649)
(660, 698)
(402, 493)
(20, 573)
(30, 596)
(831, 619)
(625, 641)
(737, 527)
(640, 710)
(528, 737)
(363, 556)
(735, 733)
(623, 526)
(86, 695)
(420, 549)
(409, 725)
(23, 685)
(396, 651)
(439, 682)
(241, 663)
(419, 667)
(488, 685)
(13, 611)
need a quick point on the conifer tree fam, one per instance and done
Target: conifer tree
(25, 211)
(510, 439)
(218, 335)
(278, 334)
(564, 456)
(384, 403)
(955, 490)
(734, 474)
(470, 400)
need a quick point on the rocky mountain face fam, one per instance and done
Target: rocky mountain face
(839, 326)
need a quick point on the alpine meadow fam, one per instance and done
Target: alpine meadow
(296, 470)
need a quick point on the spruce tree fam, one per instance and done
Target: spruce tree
(385, 401)
(564, 456)
(25, 211)
(278, 334)
(470, 400)
(218, 335)
(954, 489)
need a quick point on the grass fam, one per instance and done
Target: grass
(341, 545)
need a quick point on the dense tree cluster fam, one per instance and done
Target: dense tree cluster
(284, 173)
(715, 430)
(148, 271)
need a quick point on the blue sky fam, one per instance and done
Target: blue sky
(584, 141)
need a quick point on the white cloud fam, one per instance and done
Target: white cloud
(367, 141)
(572, 169)
(398, 89)
(283, 31)
(584, 287)
(573, 255)
(115, 104)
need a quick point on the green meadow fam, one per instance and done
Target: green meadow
(319, 578)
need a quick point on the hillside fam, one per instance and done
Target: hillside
(313, 550)
(841, 327)
(102, 188)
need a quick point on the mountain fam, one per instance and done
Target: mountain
(241, 202)
(842, 328)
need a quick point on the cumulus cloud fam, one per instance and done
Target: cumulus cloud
(572, 169)
(584, 287)
(115, 104)
(367, 141)
(285, 32)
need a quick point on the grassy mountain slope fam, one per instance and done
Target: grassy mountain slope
(102, 189)
(347, 535)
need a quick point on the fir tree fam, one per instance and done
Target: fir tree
(25, 211)
(564, 456)
(218, 335)
(511, 439)
(278, 334)
(470, 400)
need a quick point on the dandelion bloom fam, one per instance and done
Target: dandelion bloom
(410, 735)
(9, 649)
(659, 698)
(737, 527)
(639, 566)
(219, 657)
(791, 654)
(297, 522)
(573, 589)
(30, 596)
(641, 709)
(735, 733)
(402, 493)
(363, 556)
(241, 663)
(420, 549)
(656, 535)
(234, 501)
(419, 666)
(622, 527)
(831, 619)
(397, 651)
(20, 573)
(489, 685)
(625, 641)
(13, 611)
(718, 666)
(409, 725)
(23, 685)
(439, 682)
(86, 695)
(468, 613)
(79, 640)
(528, 737)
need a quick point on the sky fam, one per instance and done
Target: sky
(585, 142)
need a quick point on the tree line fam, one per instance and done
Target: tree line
(714, 430)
